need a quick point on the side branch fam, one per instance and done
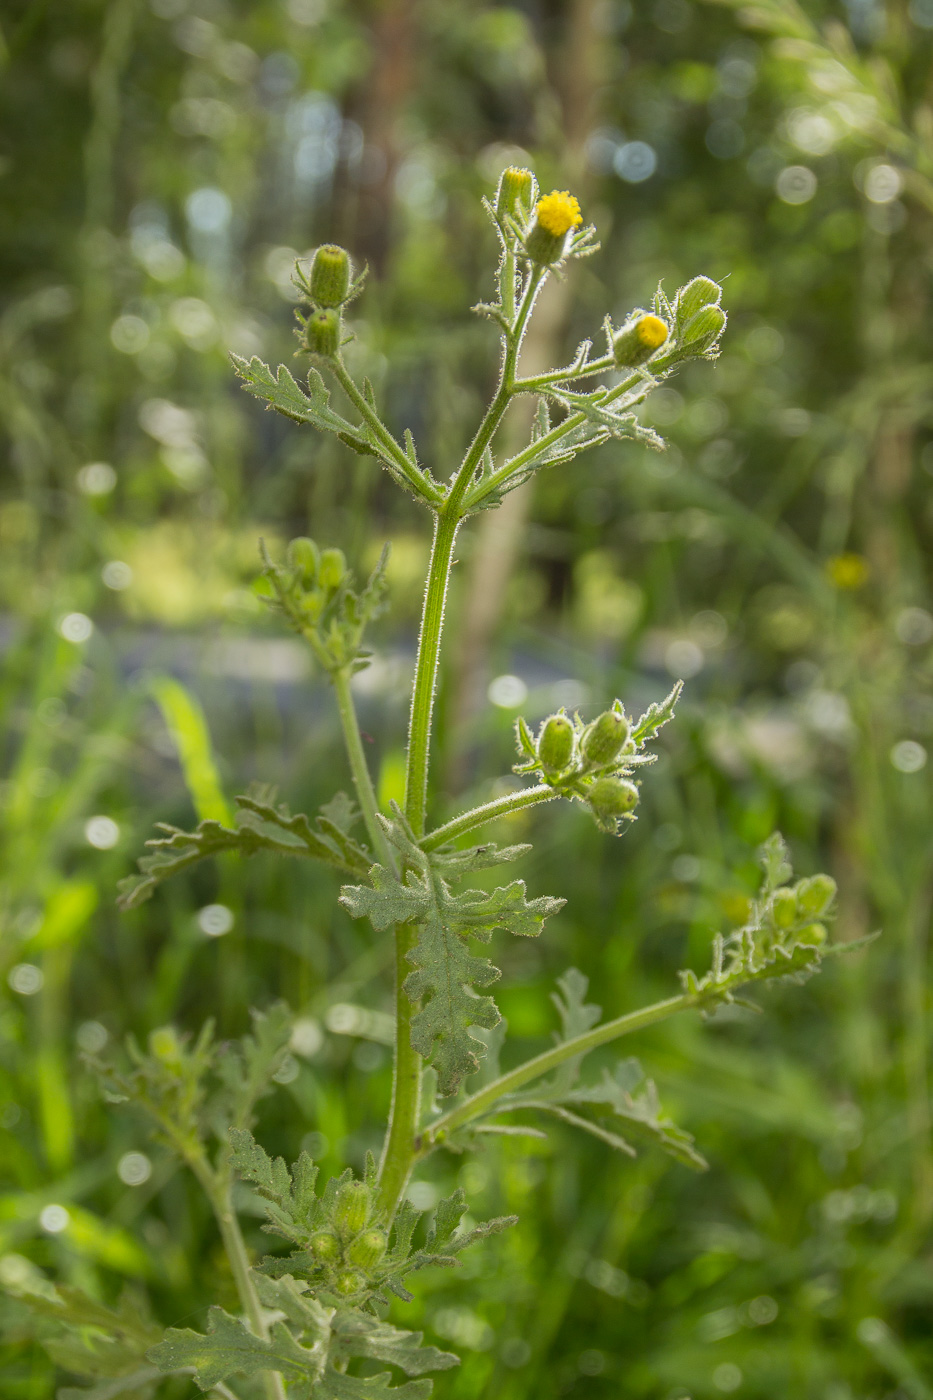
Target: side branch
(482, 1101)
(489, 812)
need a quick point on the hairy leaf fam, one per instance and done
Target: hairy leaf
(229, 1348)
(283, 394)
(444, 969)
(359, 1334)
(261, 826)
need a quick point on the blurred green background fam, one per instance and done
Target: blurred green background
(161, 165)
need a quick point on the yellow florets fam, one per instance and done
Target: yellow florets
(558, 212)
(651, 331)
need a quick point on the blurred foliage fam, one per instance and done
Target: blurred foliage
(162, 163)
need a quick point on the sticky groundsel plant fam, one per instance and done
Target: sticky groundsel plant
(312, 1320)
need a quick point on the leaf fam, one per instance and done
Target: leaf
(229, 1348)
(577, 1016)
(641, 1113)
(292, 1205)
(775, 862)
(248, 1065)
(283, 394)
(336, 1386)
(444, 970)
(260, 827)
(359, 1334)
(656, 716)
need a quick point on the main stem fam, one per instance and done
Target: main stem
(400, 1151)
(398, 1154)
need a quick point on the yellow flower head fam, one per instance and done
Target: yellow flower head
(848, 571)
(651, 331)
(558, 211)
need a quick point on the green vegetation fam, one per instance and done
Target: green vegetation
(163, 167)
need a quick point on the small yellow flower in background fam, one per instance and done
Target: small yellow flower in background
(848, 571)
(558, 212)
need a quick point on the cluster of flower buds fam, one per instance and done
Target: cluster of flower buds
(312, 577)
(348, 1251)
(589, 761)
(329, 285)
(793, 912)
(545, 230)
(313, 590)
(688, 329)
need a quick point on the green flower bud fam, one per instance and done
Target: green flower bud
(352, 1209)
(611, 798)
(332, 570)
(165, 1045)
(322, 333)
(516, 193)
(815, 895)
(325, 1246)
(702, 291)
(784, 908)
(304, 556)
(350, 1283)
(368, 1249)
(638, 341)
(555, 746)
(814, 934)
(704, 329)
(330, 276)
(604, 739)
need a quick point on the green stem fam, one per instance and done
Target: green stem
(559, 376)
(425, 488)
(479, 1103)
(359, 768)
(218, 1191)
(534, 449)
(489, 812)
(429, 650)
(398, 1155)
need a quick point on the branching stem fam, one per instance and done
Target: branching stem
(482, 1101)
(489, 812)
(426, 489)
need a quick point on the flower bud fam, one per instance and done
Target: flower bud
(815, 895)
(332, 569)
(555, 215)
(322, 333)
(304, 556)
(638, 341)
(350, 1283)
(702, 291)
(515, 193)
(814, 934)
(611, 798)
(784, 908)
(555, 746)
(704, 330)
(603, 740)
(352, 1210)
(368, 1249)
(325, 1246)
(330, 276)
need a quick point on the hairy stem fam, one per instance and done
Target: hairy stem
(359, 767)
(217, 1188)
(429, 650)
(489, 812)
(425, 488)
(479, 1103)
(537, 382)
(398, 1155)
